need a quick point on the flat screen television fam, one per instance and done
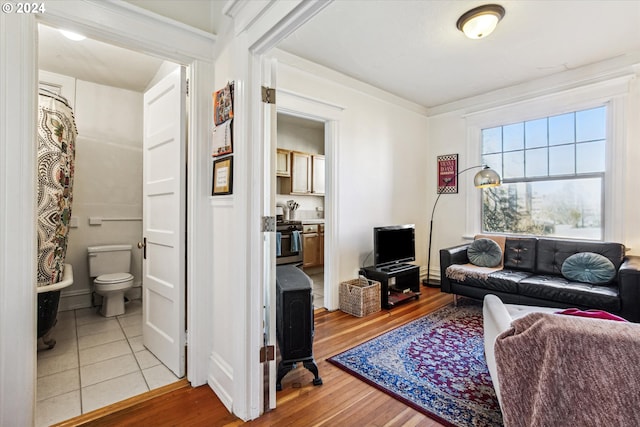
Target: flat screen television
(394, 244)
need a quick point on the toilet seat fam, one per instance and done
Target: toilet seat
(113, 278)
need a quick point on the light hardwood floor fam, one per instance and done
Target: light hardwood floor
(343, 400)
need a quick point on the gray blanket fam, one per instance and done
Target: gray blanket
(557, 370)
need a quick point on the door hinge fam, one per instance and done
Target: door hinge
(268, 95)
(186, 338)
(187, 87)
(267, 353)
(268, 224)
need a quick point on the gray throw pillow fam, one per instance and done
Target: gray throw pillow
(484, 253)
(588, 267)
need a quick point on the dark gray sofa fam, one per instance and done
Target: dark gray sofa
(531, 275)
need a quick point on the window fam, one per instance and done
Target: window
(553, 172)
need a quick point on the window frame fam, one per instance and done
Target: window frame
(613, 94)
(549, 177)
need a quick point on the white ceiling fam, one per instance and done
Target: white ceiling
(414, 50)
(410, 48)
(94, 61)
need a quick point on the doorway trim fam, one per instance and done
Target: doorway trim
(127, 26)
(303, 106)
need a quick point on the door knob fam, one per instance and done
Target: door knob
(142, 245)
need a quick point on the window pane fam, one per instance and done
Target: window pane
(591, 124)
(536, 133)
(562, 208)
(590, 157)
(562, 160)
(494, 161)
(561, 129)
(536, 162)
(513, 165)
(513, 137)
(491, 140)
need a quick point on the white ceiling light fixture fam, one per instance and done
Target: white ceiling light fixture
(72, 36)
(480, 21)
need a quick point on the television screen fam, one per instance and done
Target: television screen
(394, 244)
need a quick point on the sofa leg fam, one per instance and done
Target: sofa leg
(455, 300)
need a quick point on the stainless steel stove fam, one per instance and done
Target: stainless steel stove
(289, 242)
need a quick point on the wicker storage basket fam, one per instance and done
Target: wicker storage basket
(360, 297)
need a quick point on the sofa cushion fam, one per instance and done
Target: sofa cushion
(520, 253)
(589, 268)
(552, 253)
(484, 253)
(506, 280)
(575, 294)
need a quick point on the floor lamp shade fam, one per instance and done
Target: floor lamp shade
(485, 178)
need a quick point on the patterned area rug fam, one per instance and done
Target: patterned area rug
(434, 364)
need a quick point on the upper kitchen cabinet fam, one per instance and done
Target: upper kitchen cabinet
(300, 173)
(283, 163)
(317, 174)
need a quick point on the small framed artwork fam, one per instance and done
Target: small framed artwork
(223, 104)
(222, 176)
(448, 174)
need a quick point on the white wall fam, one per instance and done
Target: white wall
(380, 160)
(107, 181)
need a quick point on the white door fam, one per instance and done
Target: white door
(163, 266)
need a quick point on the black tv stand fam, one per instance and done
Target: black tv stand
(399, 282)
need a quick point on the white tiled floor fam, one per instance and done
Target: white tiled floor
(97, 361)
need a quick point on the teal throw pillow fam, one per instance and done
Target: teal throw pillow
(588, 267)
(484, 253)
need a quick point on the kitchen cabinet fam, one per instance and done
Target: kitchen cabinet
(283, 162)
(317, 174)
(312, 245)
(300, 173)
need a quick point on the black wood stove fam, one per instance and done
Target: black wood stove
(294, 321)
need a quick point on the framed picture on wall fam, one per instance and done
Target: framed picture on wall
(222, 176)
(448, 174)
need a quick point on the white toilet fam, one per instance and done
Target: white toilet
(110, 266)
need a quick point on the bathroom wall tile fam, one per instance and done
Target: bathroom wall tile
(57, 384)
(146, 359)
(112, 391)
(58, 408)
(98, 339)
(158, 376)
(103, 352)
(98, 327)
(108, 369)
(53, 365)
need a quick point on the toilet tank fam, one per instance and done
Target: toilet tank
(109, 259)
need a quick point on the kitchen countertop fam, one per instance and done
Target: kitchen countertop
(313, 221)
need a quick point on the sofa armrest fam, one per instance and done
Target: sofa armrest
(450, 256)
(629, 282)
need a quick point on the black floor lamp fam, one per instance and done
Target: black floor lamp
(485, 178)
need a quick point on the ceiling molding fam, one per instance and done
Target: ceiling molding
(125, 22)
(322, 72)
(622, 66)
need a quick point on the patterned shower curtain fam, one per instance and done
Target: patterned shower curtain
(56, 155)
